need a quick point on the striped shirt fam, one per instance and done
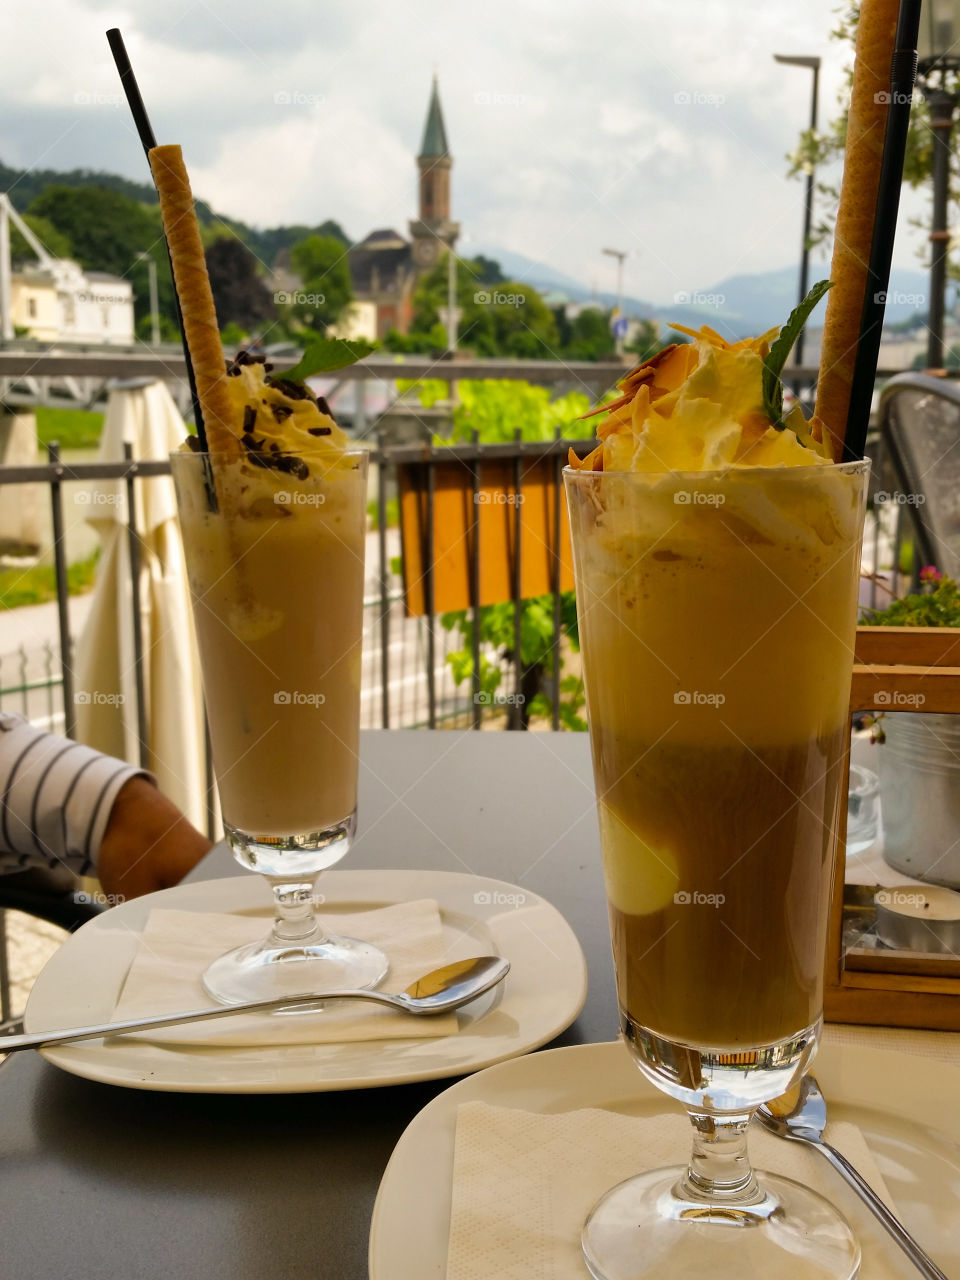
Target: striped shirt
(55, 798)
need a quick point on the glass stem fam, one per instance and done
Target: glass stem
(294, 922)
(719, 1171)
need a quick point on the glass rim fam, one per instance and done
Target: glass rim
(853, 467)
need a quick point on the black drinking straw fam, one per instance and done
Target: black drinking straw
(149, 141)
(903, 74)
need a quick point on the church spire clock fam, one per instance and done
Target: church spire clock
(434, 231)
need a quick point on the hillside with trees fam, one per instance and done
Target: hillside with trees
(109, 223)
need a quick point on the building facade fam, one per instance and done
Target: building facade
(60, 302)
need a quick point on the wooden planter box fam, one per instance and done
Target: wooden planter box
(892, 988)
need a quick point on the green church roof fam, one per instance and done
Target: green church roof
(434, 134)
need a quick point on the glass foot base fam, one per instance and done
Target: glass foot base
(265, 970)
(642, 1228)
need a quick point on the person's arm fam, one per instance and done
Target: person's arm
(148, 843)
(63, 803)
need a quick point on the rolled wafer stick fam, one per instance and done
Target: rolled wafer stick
(196, 297)
(862, 158)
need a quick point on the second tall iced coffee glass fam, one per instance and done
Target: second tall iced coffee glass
(275, 561)
(717, 614)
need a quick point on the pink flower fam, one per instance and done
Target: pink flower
(930, 573)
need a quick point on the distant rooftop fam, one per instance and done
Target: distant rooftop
(384, 238)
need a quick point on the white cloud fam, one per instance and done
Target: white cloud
(562, 118)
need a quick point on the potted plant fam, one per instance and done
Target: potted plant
(919, 765)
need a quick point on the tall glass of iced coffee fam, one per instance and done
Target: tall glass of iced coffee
(717, 561)
(276, 569)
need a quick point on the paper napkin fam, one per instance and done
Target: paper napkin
(523, 1184)
(177, 946)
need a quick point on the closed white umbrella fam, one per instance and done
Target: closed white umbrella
(145, 416)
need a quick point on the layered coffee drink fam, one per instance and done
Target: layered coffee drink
(716, 585)
(272, 505)
(276, 571)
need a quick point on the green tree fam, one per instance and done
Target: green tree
(321, 263)
(168, 329)
(414, 343)
(239, 292)
(267, 244)
(506, 319)
(590, 337)
(56, 243)
(488, 271)
(107, 230)
(646, 341)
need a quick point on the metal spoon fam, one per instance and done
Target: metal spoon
(436, 992)
(801, 1115)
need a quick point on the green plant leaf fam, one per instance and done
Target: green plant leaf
(326, 355)
(776, 361)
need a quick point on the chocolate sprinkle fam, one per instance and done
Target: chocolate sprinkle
(273, 458)
(293, 466)
(249, 418)
(280, 412)
(243, 358)
(292, 390)
(319, 431)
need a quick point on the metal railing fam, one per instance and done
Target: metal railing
(408, 680)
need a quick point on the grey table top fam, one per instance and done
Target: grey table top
(106, 1182)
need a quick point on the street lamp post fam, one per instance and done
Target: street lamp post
(813, 64)
(938, 55)
(154, 297)
(620, 255)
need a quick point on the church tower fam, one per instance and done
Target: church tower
(433, 231)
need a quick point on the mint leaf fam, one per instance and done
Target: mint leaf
(326, 355)
(775, 362)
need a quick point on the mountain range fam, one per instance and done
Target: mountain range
(744, 304)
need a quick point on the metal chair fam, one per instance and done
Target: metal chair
(920, 433)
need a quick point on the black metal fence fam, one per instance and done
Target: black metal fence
(408, 681)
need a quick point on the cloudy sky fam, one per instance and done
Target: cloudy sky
(658, 126)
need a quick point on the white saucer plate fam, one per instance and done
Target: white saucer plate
(543, 993)
(905, 1107)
